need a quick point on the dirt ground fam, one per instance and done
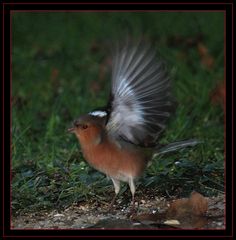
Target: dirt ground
(150, 213)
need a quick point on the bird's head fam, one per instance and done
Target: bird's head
(88, 129)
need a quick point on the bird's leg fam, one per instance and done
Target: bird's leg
(132, 189)
(116, 184)
(132, 210)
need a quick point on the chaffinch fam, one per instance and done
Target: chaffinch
(121, 139)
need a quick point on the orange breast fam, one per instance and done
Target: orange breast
(115, 162)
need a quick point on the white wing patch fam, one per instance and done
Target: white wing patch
(126, 109)
(98, 113)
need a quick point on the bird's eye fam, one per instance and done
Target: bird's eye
(84, 126)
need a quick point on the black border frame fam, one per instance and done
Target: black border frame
(8, 7)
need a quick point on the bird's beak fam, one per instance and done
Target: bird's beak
(71, 130)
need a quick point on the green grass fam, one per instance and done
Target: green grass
(56, 61)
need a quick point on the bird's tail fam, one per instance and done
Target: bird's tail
(175, 146)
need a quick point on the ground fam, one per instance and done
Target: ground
(96, 215)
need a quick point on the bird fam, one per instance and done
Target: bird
(122, 138)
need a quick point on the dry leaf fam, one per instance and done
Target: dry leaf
(98, 84)
(195, 205)
(218, 94)
(54, 74)
(206, 59)
(202, 50)
(179, 207)
(190, 212)
(198, 203)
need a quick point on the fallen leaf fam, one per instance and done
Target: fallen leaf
(206, 59)
(217, 95)
(185, 41)
(98, 84)
(190, 212)
(202, 50)
(54, 74)
(198, 203)
(179, 207)
(195, 205)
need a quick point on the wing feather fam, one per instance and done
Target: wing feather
(141, 94)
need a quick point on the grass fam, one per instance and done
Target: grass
(59, 72)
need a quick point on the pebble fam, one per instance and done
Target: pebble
(59, 215)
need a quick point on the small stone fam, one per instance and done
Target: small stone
(59, 215)
(83, 208)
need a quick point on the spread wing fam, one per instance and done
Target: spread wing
(141, 99)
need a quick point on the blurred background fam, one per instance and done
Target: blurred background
(60, 69)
